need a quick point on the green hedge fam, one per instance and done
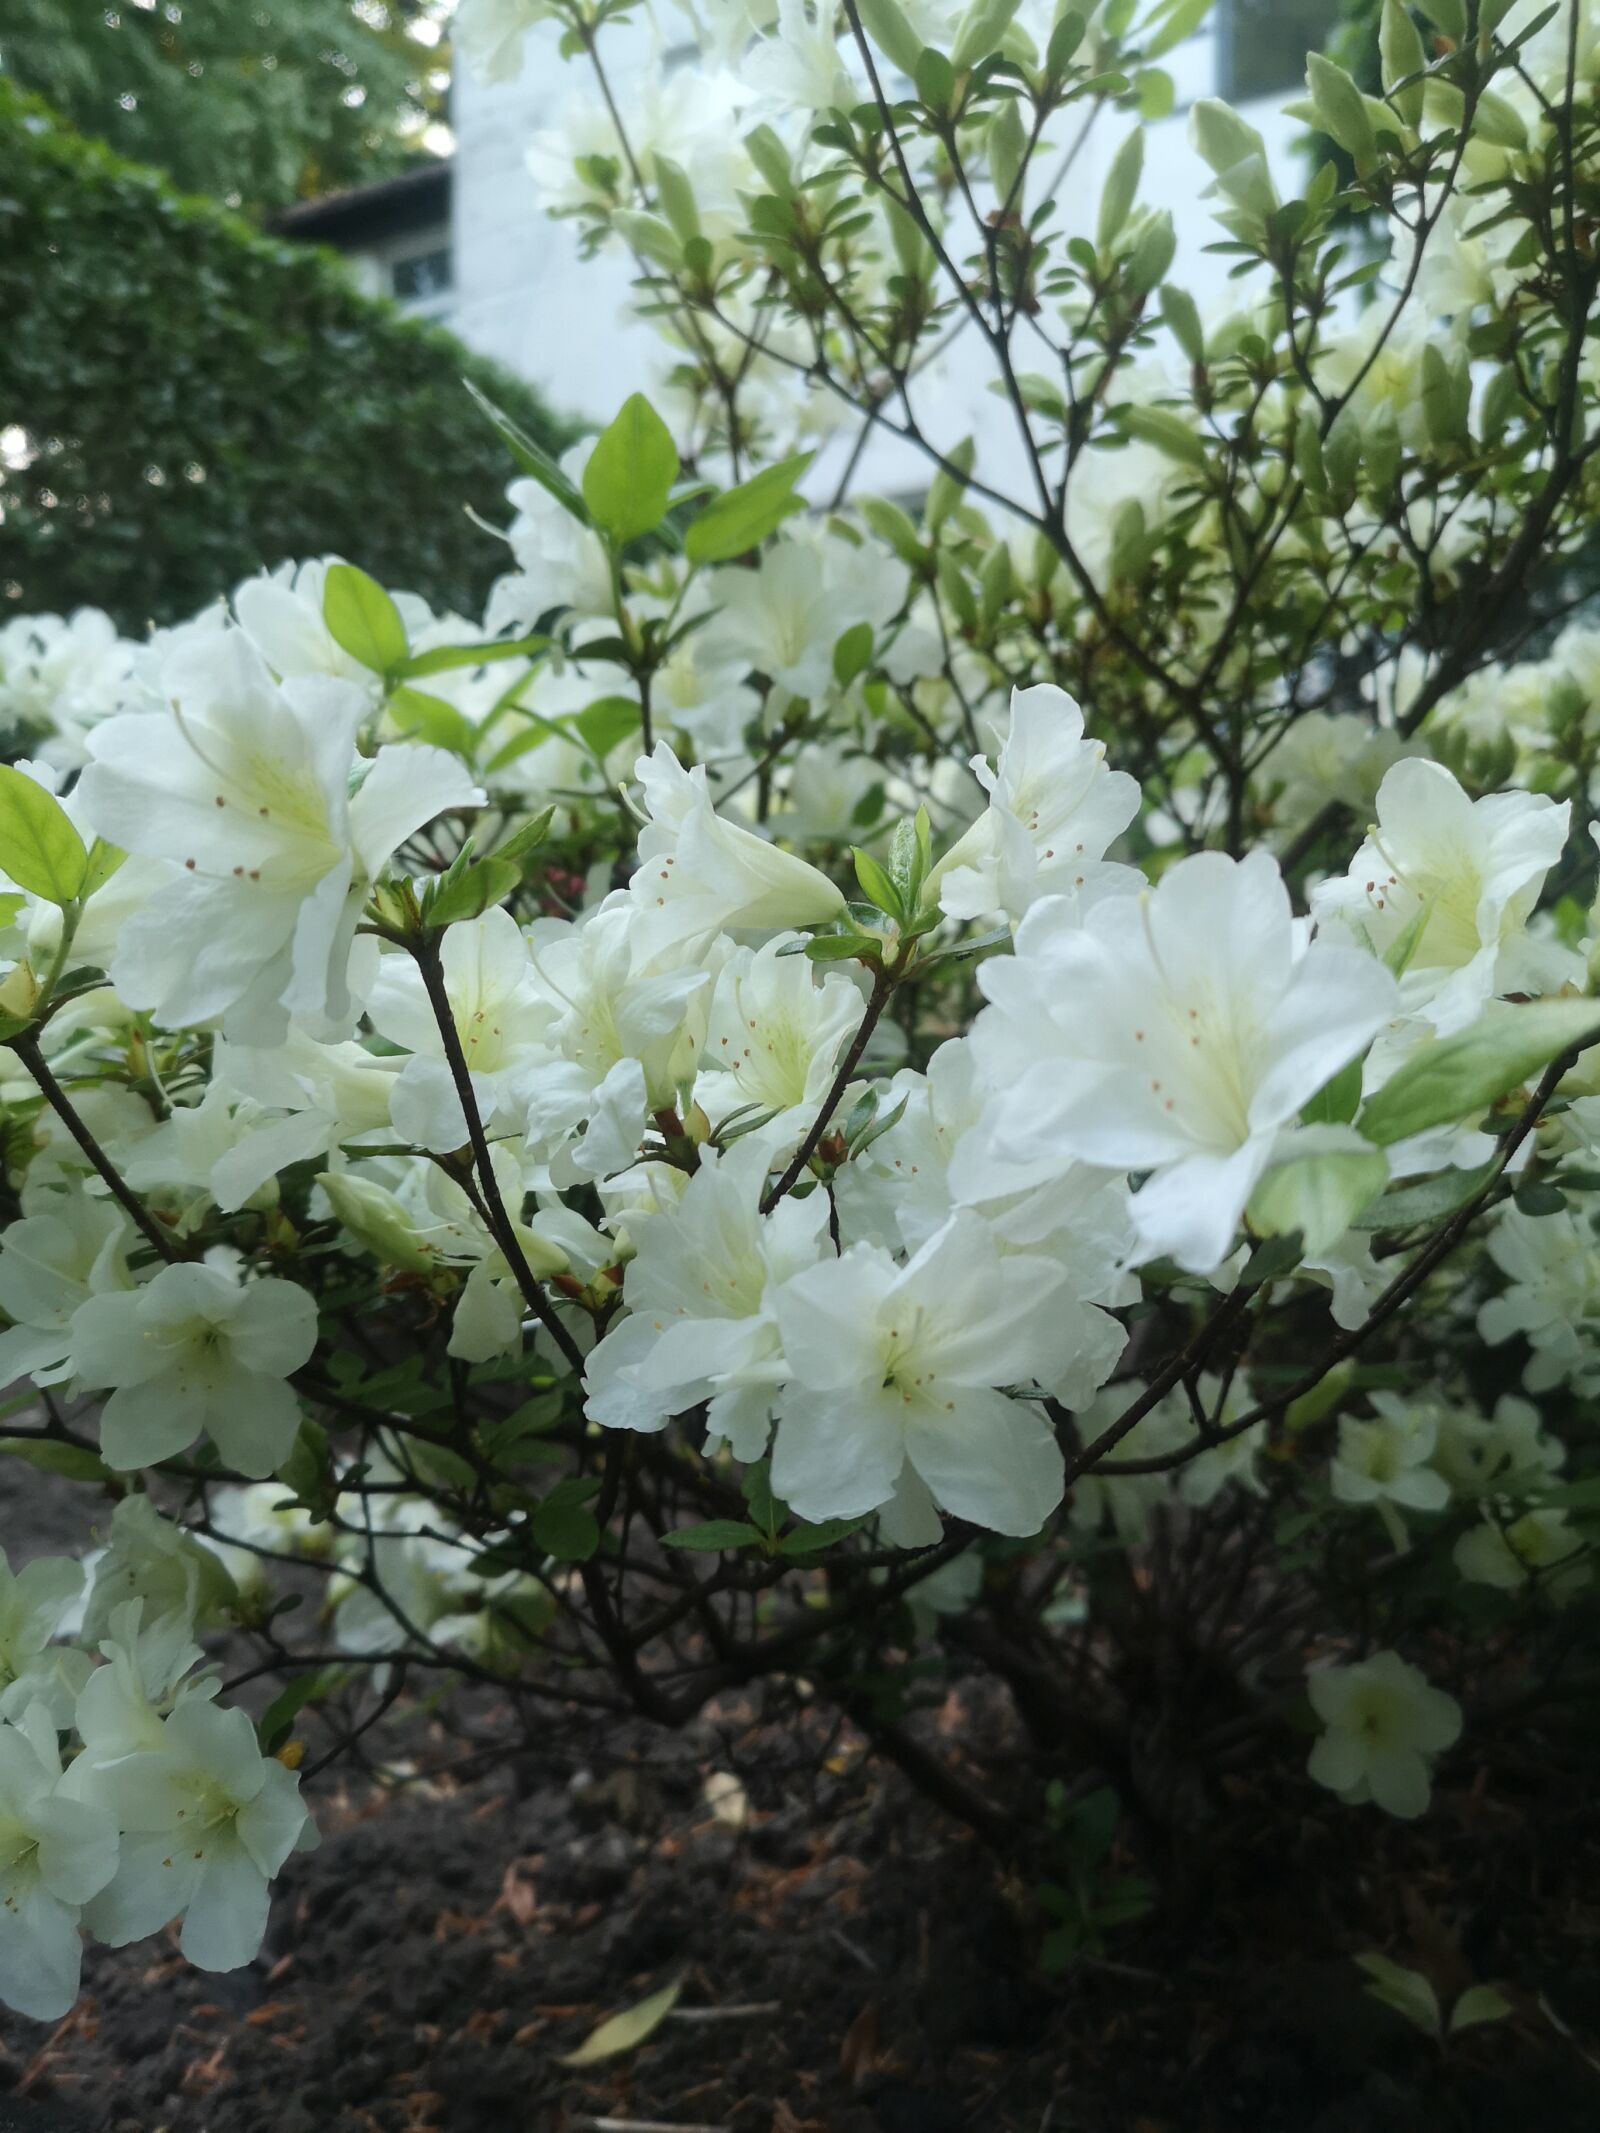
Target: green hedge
(200, 402)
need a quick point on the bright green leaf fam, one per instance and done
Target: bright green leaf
(39, 848)
(630, 472)
(1460, 1077)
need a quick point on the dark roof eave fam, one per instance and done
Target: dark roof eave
(365, 213)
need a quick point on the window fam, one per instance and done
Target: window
(423, 277)
(1262, 44)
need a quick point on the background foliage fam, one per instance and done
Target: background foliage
(257, 103)
(200, 401)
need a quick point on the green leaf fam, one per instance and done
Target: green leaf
(630, 473)
(277, 1720)
(1408, 1992)
(1120, 189)
(1338, 1100)
(471, 891)
(742, 518)
(1479, 2003)
(887, 26)
(444, 657)
(104, 860)
(980, 30)
(1341, 110)
(809, 1539)
(851, 653)
(1168, 432)
(1460, 1077)
(568, 1531)
(1319, 1194)
(533, 459)
(39, 848)
(876, 885)
(607, 722)
(425, 717)
(75, 1461)
(524, 842)
(1427, 1202)
(714, 1535)
(362, 619)
(625, 2032)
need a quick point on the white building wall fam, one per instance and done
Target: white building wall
(524, 296)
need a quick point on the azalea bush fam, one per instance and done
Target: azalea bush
(845, 1094)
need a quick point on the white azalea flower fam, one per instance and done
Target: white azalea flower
(775, 1033)
(1467, 873)
(193, 1350)
(55, 1855)
(1177, 1031)
(1054, 808)
(1552, 1266)
(36, 1605)
(206, 1822)
(1507, 1551)
(626, 1032)
(700, 874)
(489, 35)
(1387, 1461)
(1382, 1725)
(700, 1294)
(66, 1248)
(245, 788)
(500, 1017)
(152, 1560)
(894, 1374)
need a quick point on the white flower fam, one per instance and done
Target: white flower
(500, 1017)
(774, 1037)
(1382, 1724)
(59, 678)
(894, 1386)
(1467, 873)
(627, 1031)
(36, 1604)
(206, 1822)
(1327, 758)
(560, 561)
(283, 614)
(193, 1350)
(1552, 1266)
(67, 1248)
(489, 35)
(1177, 1031)
(1387, 1461)
(1053, 809)
(785, 616)
(245, 788)
(55, 1855)
(800, 66)
(153, 1560)
(1506, 1552)
(700, 1294)
(700, 874)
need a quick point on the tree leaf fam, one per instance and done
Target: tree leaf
(715, 1534)
(39, 848)
(630, 472)
(1460, 1077)
(75, 1461)
(362, 619)
(625, 2032)
(1479, 2003)
(1319, 1193)
(742, 518)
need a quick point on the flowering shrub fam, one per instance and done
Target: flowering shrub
(829, 1090)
